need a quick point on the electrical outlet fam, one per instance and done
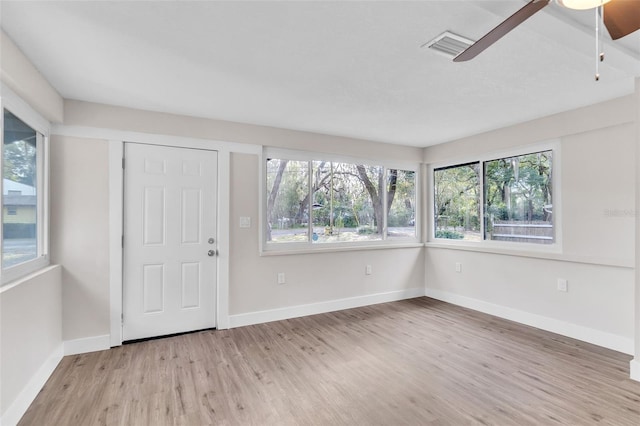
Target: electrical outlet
(281, 278)
(563, 285)
(458, 267)
(368, 270)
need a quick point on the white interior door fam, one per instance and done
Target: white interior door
(170, 240)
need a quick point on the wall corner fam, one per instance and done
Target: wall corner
(635, 363)
(634, 368)
(21, 76)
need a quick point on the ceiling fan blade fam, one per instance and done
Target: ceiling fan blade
(498, 32)
(622, 17)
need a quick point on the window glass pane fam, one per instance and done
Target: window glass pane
(457, 205)
(19, 194)
(401, 199)
(287, 201)
(346, 202)
(518, 203)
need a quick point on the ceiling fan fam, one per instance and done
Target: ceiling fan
(621, 17)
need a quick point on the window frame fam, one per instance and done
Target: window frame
(21, 109)
(309, 246)
(481, 159)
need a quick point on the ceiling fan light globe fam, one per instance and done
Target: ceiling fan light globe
(581, 4)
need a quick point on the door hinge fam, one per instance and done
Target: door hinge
(122, 241)
(122, 319)
(123, 163)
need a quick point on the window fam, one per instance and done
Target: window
(287, 201)
(515, 192)
(319, 202)
(457, 202)
(518, 204)
(401, 199)
(24, 212)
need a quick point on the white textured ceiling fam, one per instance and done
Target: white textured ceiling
(344, 68)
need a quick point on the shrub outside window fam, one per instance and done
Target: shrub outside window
(515, 192)
(319, 202)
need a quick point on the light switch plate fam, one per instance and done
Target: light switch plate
(562, 285)
(245, 222)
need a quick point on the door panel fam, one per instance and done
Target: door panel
(190, 285)
(153, 216)
(153, 288)
(169, 221)
(191, 219)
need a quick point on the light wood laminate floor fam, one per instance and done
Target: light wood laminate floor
(413, 362)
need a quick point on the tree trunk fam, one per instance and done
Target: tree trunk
(374, 193)
(273, 194)
(391, 191)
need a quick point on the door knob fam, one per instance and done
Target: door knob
(211, 252)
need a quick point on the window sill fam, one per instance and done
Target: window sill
(336, 249)
(27, 277)
(535, 254)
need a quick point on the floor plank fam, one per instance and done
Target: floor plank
(417, 361)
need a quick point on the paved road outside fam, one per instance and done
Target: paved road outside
(16, 251)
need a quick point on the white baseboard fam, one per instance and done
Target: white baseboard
(87, 344)
(260, 317)
(634, 367)
(16, 410)
(586, 334)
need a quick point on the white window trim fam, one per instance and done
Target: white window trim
(501, 246)
(17, 106)
(309, 247)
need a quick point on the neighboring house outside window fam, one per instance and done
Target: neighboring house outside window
(24, 189)
(22, 205)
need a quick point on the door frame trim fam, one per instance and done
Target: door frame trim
(116, 139)
(168, 150)
(116, 232)
(116, 229)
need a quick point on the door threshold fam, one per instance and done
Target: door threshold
(165, 336)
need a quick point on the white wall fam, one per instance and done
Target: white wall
(311, 278)
(80, 233)
(17, 72)
(73, 302)
(326, 281)
(31, 308)
(635, 363)
(31, 335)
(598, 307)
(597, 175)
(598, 195)
(86, 114)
